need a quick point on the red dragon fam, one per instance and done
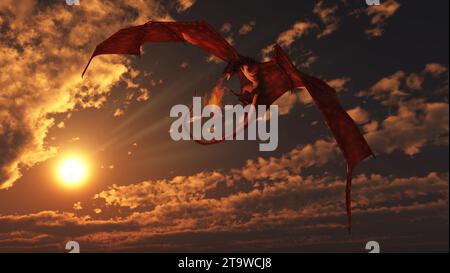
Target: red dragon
(262, 83)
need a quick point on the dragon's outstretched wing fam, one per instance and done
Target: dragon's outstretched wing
(280, 75)
(200, 34)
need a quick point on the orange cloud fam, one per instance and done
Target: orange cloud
(398, 87)
(435, 69)
(40, 64)
(415, 125)
(414, 81)
(339, 83)
(226, 27)
(247, 28)
(297, 31)
(328, 18)
(184, 5)
(215, 204)
(359, 115)
(379, 14)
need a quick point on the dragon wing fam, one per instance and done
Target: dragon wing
(280, 75)
(199, 33)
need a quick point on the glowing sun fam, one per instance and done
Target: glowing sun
(73, 171)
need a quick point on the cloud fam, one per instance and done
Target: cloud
(61, 125)
(226, 27)
(379, 15)
(413, 121)
(144, 94)
(414, 81)
(435, 69)
(184, 65)
(43, 50)
(309, 60)
(118, 112)
(327, 17)
(244, 205)
(359, 115)
(247, 28)
(339, 83)
(415, 125)
(184, 5)
(77, 206)
(298, 30)
(213, 59)
(288, 37)
(387, 89)
(97, 210)
(398, 87)
(197, 212)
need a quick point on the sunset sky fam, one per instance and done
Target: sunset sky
(140, 191)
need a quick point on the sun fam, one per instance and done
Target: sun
(73, 171)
